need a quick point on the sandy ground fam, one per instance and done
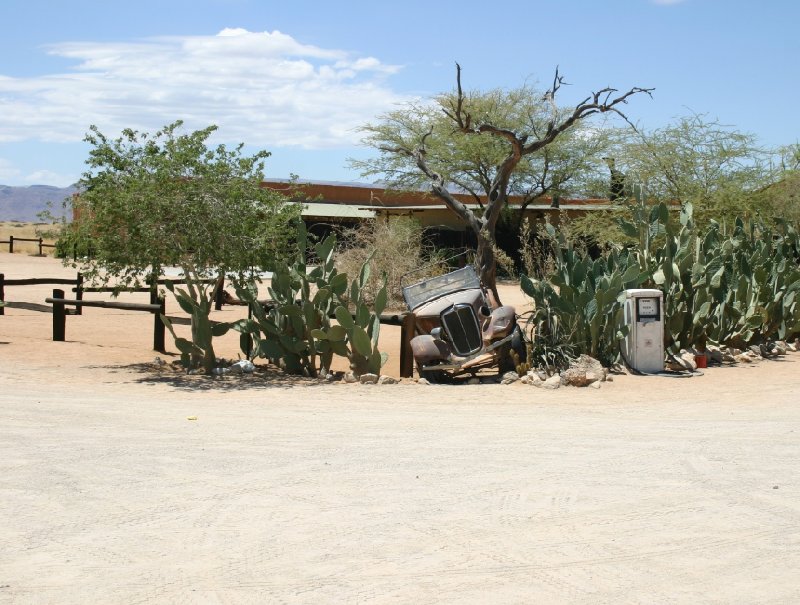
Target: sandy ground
(121, 484)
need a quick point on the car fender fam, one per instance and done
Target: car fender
(427, 349)
(501, 323)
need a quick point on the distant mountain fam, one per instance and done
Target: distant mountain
(25, 203)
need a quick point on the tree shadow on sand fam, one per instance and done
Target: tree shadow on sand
(264, 378)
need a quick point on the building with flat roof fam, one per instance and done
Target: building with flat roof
(351, 203)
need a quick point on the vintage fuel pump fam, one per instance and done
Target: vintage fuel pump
(643, 347)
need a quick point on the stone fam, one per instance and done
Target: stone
(583, 371)
(387, 380)
(350, 378)
(592, 377)
(791, 347)
(595, 385)
(474, 380)
(368, 379)
(681, 363)
(248, 367)
(780, 347)
(609, 378)
(714, 354)
(553, 382)
(215, 371)
(532, 379)
(509, 378)
(688, 358)
(423, 381)
(332, 377)
(743, 358)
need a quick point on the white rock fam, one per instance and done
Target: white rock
(595, 385)
(387, 380)
(248, 367)
(553, 382)
(423, 381)
(368, 379)
(509, 378)
(350, 378)
(474, 380)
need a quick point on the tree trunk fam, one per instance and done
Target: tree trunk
(486, 264)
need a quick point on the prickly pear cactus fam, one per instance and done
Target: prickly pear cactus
(356, 335)
(303, 301)
(196, 300)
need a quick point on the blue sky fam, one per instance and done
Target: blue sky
(297, 78)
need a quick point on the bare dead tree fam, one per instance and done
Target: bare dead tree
(483, 225)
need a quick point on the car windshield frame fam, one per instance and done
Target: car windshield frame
(432, 288)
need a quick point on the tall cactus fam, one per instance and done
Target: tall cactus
(357, 333)
(196, 300)
(303, 301)
(738, 288)
(584, 298)
(296, 331)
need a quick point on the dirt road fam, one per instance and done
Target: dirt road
(123, 485)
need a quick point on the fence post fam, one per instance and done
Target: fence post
(158, 325)
(2, 292)
(218, 294)
(79, 293)
(249, 337)
(40, 247)
(406, 355)
(59, 318)
(11, 244)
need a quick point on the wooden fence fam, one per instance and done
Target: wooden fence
(11, 239)
(79, 289)
(39, 281)
(157, 307)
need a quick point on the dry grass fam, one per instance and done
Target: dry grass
(398, 247)
(25, 231)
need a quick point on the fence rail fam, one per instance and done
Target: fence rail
(79, 288)
(41, 281)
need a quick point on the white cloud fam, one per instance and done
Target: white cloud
(51, 178)
(263, 88)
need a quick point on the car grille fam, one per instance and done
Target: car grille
(461, 325)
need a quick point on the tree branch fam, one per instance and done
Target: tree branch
(438, 185)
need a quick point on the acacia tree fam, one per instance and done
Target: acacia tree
(491, 145)
(699, 161)
(781, 197)
(168, 199)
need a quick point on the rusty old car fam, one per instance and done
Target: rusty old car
(460, 328)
